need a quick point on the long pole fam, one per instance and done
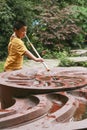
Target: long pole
(37, 53)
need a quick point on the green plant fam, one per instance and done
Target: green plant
(79, 14)
(82, 63)
(65, 62)
(64, 59)
(1, 66)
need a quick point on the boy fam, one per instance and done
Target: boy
(17, 49)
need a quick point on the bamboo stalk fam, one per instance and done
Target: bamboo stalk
(37, 53)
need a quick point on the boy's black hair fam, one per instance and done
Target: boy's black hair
(19, 24)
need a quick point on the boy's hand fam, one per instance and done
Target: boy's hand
(39, 60)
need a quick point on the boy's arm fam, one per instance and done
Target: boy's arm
(30, 55)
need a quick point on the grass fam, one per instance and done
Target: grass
(1, 66)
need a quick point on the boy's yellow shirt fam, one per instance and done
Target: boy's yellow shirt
(16, 50)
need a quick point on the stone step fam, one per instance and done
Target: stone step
(78, 59)
(79, 52)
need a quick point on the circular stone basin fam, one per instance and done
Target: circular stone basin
(63, 107)
(79, 117)
(24, 109)
(58, 101)
(61, 110)
(35, 83)
(81, 111)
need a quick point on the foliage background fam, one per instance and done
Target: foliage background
(53, 26)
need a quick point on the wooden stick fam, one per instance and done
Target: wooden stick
(37, 53)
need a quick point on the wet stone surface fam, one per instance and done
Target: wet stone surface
(46, 81)
(56, 104)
